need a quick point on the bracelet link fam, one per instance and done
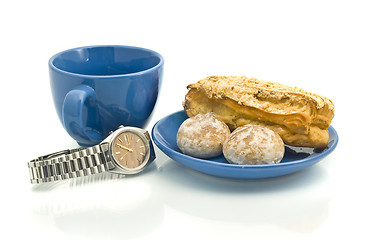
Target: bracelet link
(69, 164)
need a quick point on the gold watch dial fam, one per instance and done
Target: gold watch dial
(129, 150)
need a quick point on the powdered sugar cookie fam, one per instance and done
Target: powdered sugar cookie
(253, 144)
(202, 136)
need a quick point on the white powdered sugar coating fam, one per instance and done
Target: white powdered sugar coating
(202, 136)
(252, 145)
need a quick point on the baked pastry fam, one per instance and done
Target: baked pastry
(252, 145)
(299, 117)
(202, 136)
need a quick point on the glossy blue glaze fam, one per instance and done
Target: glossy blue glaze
(98, 88)
(295, 159)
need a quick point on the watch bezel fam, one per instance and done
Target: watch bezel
(140, 133)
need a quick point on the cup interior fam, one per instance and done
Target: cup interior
(106, 60)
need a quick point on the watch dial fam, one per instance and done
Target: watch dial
(129, 150)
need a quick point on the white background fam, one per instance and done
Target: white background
(321, 46)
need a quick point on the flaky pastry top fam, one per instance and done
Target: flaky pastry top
(251, 91)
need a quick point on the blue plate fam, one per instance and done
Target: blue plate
(295, 159)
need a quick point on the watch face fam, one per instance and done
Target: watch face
(129, 150)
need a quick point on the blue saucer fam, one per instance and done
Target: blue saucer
(295, 159)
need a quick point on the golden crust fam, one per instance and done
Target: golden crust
(301, 118)
(249, 91)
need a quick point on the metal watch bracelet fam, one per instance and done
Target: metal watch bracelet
(69, 164)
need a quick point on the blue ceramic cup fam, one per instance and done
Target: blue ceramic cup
(98, 88)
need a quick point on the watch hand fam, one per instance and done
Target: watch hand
(123, 147)
(122, 157)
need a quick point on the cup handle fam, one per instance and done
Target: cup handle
(77, 101)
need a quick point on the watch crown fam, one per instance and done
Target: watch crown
(121, 126)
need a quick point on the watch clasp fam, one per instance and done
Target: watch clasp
(56, 154)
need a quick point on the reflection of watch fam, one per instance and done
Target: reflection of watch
(128, 150)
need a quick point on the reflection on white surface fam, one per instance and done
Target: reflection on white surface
(99, 206)
(250, 202)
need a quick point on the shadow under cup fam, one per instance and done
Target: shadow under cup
(98, 88)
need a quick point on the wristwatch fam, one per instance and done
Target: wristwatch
(128, 150)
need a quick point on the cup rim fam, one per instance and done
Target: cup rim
(158, 65)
